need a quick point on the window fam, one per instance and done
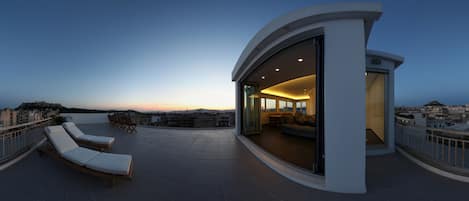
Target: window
(270, 105)
(263, 104)
(301, 107)
(285, 106)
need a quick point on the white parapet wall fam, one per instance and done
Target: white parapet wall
(86, 118)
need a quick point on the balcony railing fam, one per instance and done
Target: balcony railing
(17, 139)
(442, 148)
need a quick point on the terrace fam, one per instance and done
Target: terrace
(172, 164)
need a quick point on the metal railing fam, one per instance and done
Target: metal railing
(17, 139)
(443, 148)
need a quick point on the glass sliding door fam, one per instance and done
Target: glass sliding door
(251, 109)
(319, 166)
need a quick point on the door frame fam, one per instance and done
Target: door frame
(243, 112)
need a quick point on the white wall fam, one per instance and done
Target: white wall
(344, 107)
(87, 118)
(238, 113)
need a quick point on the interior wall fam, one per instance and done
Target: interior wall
(375, 105)
(311, 102)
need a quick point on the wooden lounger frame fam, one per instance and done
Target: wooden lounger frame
(49, 149)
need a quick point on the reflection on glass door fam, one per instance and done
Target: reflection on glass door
(251, 110)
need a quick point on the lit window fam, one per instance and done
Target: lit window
(270, 105)
(285, 106)
(263, 104)
(301, 107)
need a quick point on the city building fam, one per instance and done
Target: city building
(406, 119)
(8, 117)
(435, 109)
(307, 80)
(22, 116)
(35, 115)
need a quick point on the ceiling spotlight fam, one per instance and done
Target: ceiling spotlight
(263, 77)
(277, 69)
(300, 59)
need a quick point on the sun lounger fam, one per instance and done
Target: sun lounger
(97, 163)
(91, 141)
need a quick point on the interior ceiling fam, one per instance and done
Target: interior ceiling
(287, 61)
(296, 89)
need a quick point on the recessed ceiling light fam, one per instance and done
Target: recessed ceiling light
(263, 77)
(300, 59)
(277, 69)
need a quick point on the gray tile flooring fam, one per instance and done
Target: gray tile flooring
(207, 165)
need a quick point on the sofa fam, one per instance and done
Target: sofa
(302, 126)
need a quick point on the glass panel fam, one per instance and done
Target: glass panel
(375, 108)
(285, 106)
(282, 105)
(270, 105)
(251, 110)
(263, 104)
(301, 107)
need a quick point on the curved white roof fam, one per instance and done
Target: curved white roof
(398, 60)
(301, 18)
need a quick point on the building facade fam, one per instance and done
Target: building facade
(308, 77)
(8, 117)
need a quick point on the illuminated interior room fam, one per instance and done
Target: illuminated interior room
(285, 86)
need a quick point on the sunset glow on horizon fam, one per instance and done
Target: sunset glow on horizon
(163, 56)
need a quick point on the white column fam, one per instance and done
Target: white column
(238, 108)
(390, 112)
(344, 105)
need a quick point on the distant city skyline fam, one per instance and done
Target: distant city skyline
(151, 55)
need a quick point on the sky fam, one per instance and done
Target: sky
(177, 55)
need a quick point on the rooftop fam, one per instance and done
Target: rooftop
(207, 165)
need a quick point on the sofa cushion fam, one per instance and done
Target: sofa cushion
(299, 130)
(118, 164)
(80, 155)
(72, 129)
(60, 139)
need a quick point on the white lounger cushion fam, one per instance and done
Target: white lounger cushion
(111, 163)
(118, 164)
(77, 134)
(60, 139)
(72, 129)
(80, 155)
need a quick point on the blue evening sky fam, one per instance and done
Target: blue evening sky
(164, 55)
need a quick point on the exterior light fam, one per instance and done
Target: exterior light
(263, 77)
(277, 69)
(300, 59)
